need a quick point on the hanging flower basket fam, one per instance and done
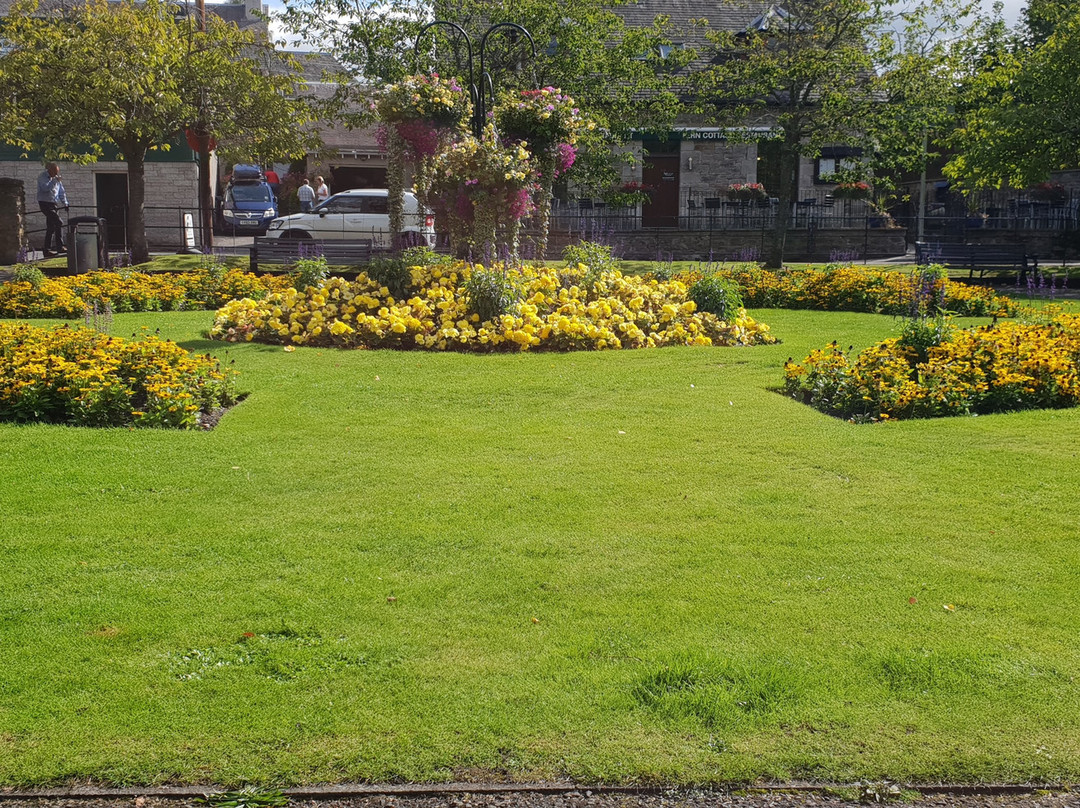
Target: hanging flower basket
(747, 192)
(483, 188)
(541, 118)
(851, 190)
(422, 110)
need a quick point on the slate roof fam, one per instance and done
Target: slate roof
(723, 16)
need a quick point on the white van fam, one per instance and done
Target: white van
(357, 214)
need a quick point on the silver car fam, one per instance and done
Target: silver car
(357, 214)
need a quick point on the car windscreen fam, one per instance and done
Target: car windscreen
(251, 193)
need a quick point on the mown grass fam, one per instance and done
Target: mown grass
(627, 567)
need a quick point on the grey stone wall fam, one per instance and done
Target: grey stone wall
(12, 220)
(723, 245)
(171, 189)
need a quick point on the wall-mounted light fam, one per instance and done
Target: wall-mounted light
(689, 163)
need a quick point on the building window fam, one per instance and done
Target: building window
(833, 160)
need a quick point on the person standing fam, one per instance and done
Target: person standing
(306, 194)
(274, 181)
(322, 191)
(51, 197)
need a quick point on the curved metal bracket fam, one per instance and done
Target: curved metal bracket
(481, 87)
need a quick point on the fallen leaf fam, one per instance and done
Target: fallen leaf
(949, 607)
(377, 379)
(289, 348)
(912, 601)
(536, 619)
(621, 432)
(391, 599)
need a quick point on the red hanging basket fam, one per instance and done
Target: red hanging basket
(193, 140)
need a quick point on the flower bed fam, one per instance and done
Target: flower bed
(67, 297)
(81, 377)
(556, 310)
(853, 288)
(1000, 368)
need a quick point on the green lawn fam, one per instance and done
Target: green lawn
(630, 567)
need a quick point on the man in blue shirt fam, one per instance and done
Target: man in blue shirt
(51, 197)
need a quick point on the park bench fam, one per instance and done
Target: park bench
(978, 257)
(288, 250)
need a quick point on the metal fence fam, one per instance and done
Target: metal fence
(698, 211)
(948, 215)
(167, 228)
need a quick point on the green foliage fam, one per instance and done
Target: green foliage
(391, 271)
(717, 295)
(1008, 134)
(28, 273)
(812, 65)
(576, 42)
(920, 334)
(248, 797)
(310, 272)
(594, 256)
(422, 256)
(490, 293)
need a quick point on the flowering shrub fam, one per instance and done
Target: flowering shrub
(746, 192)
(852, 190)
(1000, 368)
(851, 288)
(555, 312)
(69, 296)
(81, 377)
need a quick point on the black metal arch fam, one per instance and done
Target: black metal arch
(481, 87)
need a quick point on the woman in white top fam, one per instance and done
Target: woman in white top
(322, 192)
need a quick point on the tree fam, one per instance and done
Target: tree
(1022, 117)
(808, 69)
(583, 48)
(132, 75)
(927, 50)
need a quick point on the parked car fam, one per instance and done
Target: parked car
(248, 204)
(357, 214)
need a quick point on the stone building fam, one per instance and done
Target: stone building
(697, 162)
(101, 189)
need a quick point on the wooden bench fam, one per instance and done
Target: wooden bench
(289, 250)
(981, 257)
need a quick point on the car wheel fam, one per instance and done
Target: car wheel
(411, 239)
(296, 234)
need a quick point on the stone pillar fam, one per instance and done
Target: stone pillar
(12, 221)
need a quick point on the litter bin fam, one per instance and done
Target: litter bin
(88, 246)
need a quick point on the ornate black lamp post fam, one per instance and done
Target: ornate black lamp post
(481, 87)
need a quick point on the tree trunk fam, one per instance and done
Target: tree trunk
(206, 194)
(786, 197)
(136, 217)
